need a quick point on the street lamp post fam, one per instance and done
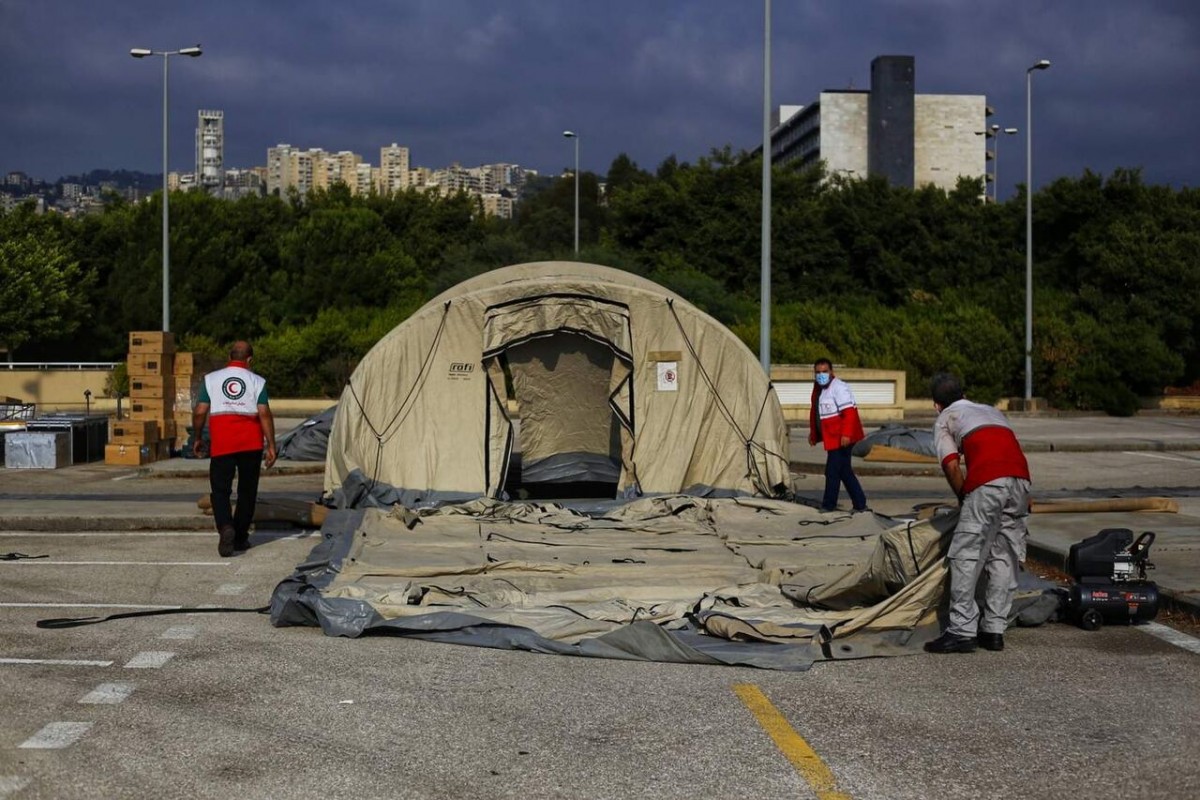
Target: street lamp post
(996, 131)
(764, 326)
(1042, 64)
(575, 136)
(139, 52)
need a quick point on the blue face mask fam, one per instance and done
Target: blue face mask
(823, 378)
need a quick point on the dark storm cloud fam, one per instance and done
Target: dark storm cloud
(475, 82)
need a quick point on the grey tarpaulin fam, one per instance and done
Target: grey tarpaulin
(676, 578)
(309, 440)
(901, 437)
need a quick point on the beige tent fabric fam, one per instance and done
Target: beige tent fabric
(421, 414)
(568, 577)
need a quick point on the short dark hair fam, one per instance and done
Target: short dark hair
(821, 361)
(240, 351)
(946, 389)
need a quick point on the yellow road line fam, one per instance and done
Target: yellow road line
(791, 744)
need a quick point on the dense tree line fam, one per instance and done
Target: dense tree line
(869, 274)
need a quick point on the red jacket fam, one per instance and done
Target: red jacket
(834, 414)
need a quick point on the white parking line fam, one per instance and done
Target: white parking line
(56, 736)
(61, 534)
(10, 784)
(179, 632)
(230, 589)
(108, 693)
(1172, 636)
(46, 562)
(56, 662)
(1162, 456)
(85, 605)
(150, 659)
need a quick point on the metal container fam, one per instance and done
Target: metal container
(37, 450)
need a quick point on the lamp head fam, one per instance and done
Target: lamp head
(1043, 64)
(995, 127)
(1010, 131)
(140, 52)
(196, 51)
(569, 134)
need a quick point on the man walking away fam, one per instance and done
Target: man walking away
(833, 420)
(236, 401)
(994, 503)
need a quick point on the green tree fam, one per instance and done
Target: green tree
(42, 287)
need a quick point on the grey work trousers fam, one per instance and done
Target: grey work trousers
(988, 541)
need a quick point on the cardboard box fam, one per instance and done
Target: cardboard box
(154, 409)
(129, 455)
(152, 342)
(145, 364)
(129, 431)
(151, 386)
(184, 363)
(37, 449)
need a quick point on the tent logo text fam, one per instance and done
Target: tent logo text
(461, 369)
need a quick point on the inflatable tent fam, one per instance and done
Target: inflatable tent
(607, 384)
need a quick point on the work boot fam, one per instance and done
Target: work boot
(991, 641)
(225, 543)
(950, 643)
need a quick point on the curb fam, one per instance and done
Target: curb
(44, 524)
(302, 468)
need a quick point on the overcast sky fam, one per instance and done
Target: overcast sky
(482, 81)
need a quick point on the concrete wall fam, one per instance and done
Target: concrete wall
(945, 145)
(880, 392)
(53, 388)
(844, 133)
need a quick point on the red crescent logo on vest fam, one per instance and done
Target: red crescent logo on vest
(233, 388)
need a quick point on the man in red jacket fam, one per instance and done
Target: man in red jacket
(234, 402)
(989, 539)
(833, 420)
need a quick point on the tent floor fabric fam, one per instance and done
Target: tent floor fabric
(683, 579)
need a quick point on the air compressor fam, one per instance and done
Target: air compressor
(1109, 570)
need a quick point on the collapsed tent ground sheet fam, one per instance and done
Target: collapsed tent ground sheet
(720, 581)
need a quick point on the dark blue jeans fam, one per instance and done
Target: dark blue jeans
(839, 471)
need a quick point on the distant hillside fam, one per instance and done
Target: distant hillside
(123, 178)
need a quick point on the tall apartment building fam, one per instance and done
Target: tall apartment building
(278, 160)
(888, 130)
(210, 150)
(393, 169)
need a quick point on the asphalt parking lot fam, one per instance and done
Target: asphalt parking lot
(220, 704)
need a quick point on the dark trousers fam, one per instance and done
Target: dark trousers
(838, 471)
(247, 465)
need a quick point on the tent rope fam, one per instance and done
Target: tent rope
(393, 425)
(747, 441)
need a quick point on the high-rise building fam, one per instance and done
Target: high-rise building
(393, 168)
(278, 160)
(888, 130)
(210, 150)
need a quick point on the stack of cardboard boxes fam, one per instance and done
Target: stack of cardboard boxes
(149, 433)
(188, 376)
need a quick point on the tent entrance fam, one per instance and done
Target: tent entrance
(567, 438)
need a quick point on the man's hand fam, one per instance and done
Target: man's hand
(197, 449)
(270, 457)
(812, 439)
(845, 441)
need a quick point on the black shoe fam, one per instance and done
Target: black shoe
(949, 643)
(225, 543)
(863, 510)
(241, 543)
(824, 510)
(991, 641)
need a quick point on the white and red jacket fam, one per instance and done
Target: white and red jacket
(836, 410)
(234, 395)
(983, 437)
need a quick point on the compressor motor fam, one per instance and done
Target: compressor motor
(1109, 570)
